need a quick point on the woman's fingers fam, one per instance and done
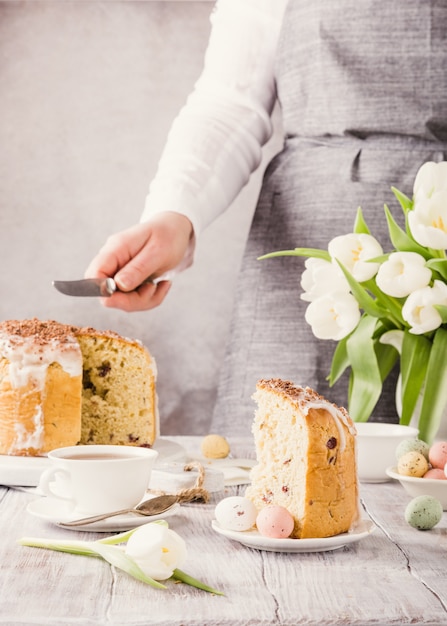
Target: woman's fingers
(146, 297)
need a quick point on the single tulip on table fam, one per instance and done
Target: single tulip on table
(389, 307)
(150, 553)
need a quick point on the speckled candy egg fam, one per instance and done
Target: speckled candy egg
(438, 454)
(423, 512)
(412, 464)
(275, 522)
(412, 445)
(236, 513)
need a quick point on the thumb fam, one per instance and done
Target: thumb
(131, 276)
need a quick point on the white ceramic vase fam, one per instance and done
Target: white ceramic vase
(441, 435)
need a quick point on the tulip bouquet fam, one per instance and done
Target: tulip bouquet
(150, 553)
(387, 307)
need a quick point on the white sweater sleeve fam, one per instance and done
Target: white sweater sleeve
(215, 141)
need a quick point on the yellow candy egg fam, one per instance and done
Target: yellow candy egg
(215, 447)
(412, 464)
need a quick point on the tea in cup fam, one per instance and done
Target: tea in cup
(98, 478)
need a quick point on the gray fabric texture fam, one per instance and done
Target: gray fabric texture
(363, 108)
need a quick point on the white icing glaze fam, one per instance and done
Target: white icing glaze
(29, 360)
(29, 439)
(28, 364)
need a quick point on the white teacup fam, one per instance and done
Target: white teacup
(98, 478)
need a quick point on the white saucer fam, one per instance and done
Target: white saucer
(25, 471)
(57, 512)
(253, 539)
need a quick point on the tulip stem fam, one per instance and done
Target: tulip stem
(189, 580)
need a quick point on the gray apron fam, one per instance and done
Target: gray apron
(364, 106)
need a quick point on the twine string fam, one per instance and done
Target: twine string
(196, 493)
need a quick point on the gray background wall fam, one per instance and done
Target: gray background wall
(88, 90)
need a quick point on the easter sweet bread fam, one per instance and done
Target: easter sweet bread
(306, 459)
(61, 385)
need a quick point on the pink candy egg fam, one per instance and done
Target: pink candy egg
(275, 522)
(435, 472)
(437, 454)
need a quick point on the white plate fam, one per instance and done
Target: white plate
(25, 471)
(168, 451)
(57, 512)
(253, 539)
(235, 471)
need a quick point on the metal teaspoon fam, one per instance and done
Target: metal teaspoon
(153, 506)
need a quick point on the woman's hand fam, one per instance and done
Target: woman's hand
(145, 250)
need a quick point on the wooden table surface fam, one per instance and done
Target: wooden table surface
(397, 575)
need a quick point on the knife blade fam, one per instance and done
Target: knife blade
(87, 287)
(91, 287)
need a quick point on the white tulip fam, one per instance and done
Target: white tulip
(419, 310)
(321, 277)
(157, 550)
(403, 273)
(431, 178)
(333, 316)
(353, 251)
(428, 221)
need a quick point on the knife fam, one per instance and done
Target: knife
(93, 287)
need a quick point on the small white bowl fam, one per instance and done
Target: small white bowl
(376, 448)
(421, 486)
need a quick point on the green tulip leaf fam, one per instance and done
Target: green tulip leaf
(360, 226)
(390, 306)
(366, 380)
(402, 241)
(435, 390)
(439, 266)
(387, 357)
(415, 354)
(442, 310)
(309, 252)
(366, 302)
(340, 362)
(379, 259)
(405, 202)
(118, 558)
